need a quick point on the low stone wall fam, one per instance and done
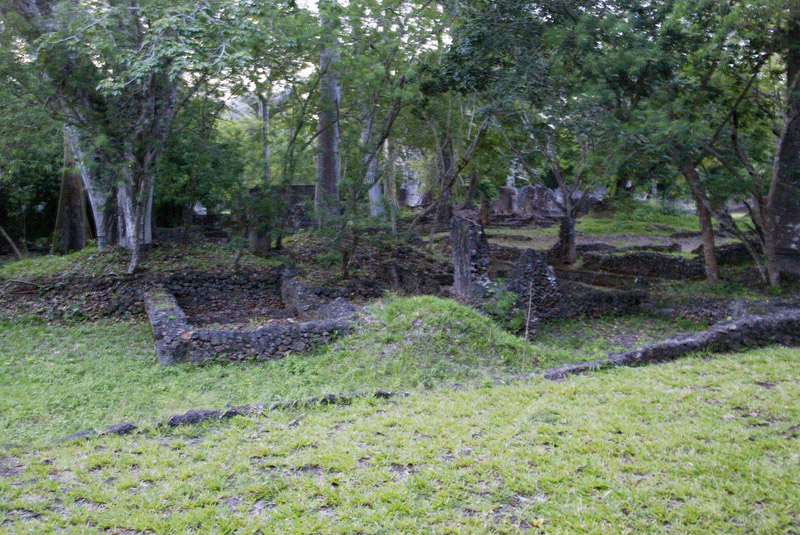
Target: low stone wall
(591, 301)
(747, 332)
(654, 248)
(730, 254)
(122, 296)
(178, 341)
(714, 309)
(646, 264)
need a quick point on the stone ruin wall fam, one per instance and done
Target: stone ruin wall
(177, 340)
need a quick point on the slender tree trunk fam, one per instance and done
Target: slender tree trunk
(188, 214)
(687, 168)
(469, 201)
(706, 224)
(70, 230)
(370, 161)
(11, 243)
(264, 104)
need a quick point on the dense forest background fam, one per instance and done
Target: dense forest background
(118, 117)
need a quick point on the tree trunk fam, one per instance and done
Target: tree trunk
(370, 161)
(70, 231)
(188, 214)
(707, 234)
(485, 212)
(263, 104)
(389, 189)
(689, 172)
(11, 243)
(469, 201)
(98, 192)
(141, 220)
(326, 198)
(566, 249)
(787, 196)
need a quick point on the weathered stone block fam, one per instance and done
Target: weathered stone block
(470, 259)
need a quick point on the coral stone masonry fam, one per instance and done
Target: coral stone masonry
(178, 341)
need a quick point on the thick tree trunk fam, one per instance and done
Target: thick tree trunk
(787, 196)
(70, 231)
(135, 216)
(566, 248)
(326, 199)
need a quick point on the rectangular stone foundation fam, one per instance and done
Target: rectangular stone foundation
(178, 341)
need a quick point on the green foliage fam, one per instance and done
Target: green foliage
(503, 309)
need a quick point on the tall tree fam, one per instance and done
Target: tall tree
(326, 200)
(71, 223)
(119, 73)
(787, 168)
(538, 60)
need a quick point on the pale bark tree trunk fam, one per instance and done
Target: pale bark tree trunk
(370, 162)
(97, 192)
(264, 112)
(389, 187)
(326, 198)
(188, 213)
(70, 230)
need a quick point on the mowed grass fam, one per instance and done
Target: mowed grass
(60, 379)
(691, 447)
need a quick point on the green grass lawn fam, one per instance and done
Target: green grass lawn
(692, 447)
(59, 379)
(165, 257)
